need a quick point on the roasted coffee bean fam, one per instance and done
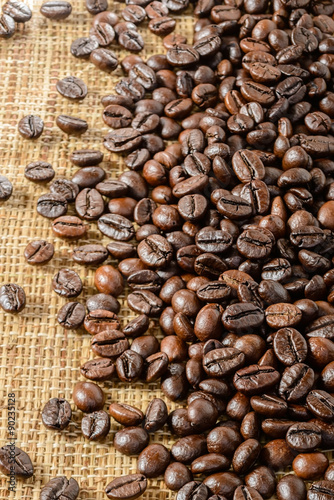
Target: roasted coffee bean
(90, 254)
(156, 415)
(71, 124)
(321, 404)
(131, 440)
(109, 280)
(56, 9)
(255, 379)
(6, 188)
(86, 157)
(131, 40)
(223, 483)
(96, 6)
(304, 437)
(297, 380)
(31, 126)
(222, 362)
(283, 315)
(188, 448)
(104, 59)
(56, 414)
(61, 487)
(82, 47)
(67, 283)
(71, 315)
(72, 88)
(51, 205)
(127, 487)
(129, 366)
(69, 226)
(290, 346)
(7, 26)
(38, 252)
(268, 405)
(177, 475)
(109, 344)
(98, 369)
(96, 425)
(223, 440)
(39, 171)
(310, 466)
(88, 397)
(321, 489)
(155, 366)
(13, 459)
(153, 460)
(66, 188)
(291, 486)
(17, 10)
(100, 320)
(121, 250)
(12, 298)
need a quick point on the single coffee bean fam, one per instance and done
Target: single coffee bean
(290, 346)
(176, 476)
(291, 486)
(127, 487)
(66, 188)
(116, 227)
(72, 87)
(82, 47)
(188, 448)
(321, 404)
(104, 59)
(12, 298)
(86, 157)
(56, 9)
(246, 492)
(61, 486)
(56, 414)
(39, 171)
(98, 369)
(321, 490)
(13, 459)
(129, 366)
(51, 205)
(90, 254)
(89, 204)
(126, 415)
(31, 126)
(71, 315)
(88, 397)
(310, 466)
(96, 6)
(38, 252)
(193, 489)
(304, 437)
(131, 440)
(96, 425)
(153, 460)
(6, 188)
(109, 344)
(67, 283)
(71, 124)
(69, 226)
(255, 379)
(100, 320)
(156, 415)
(297, 380)
(7, 26)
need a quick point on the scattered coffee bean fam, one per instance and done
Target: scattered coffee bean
(56, 414)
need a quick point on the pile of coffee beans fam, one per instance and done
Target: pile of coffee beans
(224, 236)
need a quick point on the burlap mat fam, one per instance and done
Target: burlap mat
(39, 359)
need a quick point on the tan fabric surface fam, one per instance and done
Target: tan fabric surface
(39, 359)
